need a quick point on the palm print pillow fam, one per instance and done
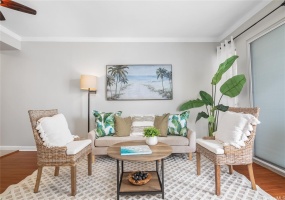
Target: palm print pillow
(177, 124)
(105, 123)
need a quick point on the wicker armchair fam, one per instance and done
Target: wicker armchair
(232, 155)
(56, 156)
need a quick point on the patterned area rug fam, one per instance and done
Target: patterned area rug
(181, 182)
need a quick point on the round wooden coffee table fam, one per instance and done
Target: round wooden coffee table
(156, 184)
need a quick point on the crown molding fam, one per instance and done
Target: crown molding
(10, 33)
(242, 20)
(110, 39)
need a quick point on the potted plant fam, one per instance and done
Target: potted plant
(151, 134)
(231, 88)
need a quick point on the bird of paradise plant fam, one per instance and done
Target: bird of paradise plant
(231, 88)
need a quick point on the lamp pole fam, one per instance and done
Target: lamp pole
(88, 110)
(89, 91)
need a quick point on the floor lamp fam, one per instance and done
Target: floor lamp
(88, 82)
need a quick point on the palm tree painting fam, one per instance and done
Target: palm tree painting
(139, 82)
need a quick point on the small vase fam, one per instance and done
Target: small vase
(151, 140)
(212, 127)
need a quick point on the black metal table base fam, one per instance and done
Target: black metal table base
(120, 179)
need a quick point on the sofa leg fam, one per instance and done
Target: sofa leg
(190, 156)
(231, 169)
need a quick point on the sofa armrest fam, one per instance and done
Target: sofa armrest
(191, 135)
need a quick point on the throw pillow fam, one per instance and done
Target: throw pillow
(54, 131)
(123, 126)
(105, 123)
(139, 123)
(177, 124)
(234, 128)
(161, 123)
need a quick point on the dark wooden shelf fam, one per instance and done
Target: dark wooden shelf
(152, 185)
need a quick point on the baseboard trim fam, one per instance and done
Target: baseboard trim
(269, 166)
(20, 148)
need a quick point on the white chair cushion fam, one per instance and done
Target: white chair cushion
(54, 130)
(234, 128)
(212, 145)
(75, 146)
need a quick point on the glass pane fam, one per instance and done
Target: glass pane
(268, 76)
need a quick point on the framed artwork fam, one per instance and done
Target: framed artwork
(139, 82)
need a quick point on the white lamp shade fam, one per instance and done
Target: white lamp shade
(88, 82)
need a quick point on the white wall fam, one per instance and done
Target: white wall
(46, 75)
(242, 41)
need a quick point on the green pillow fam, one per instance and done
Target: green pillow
(161, 123)
(105, 123)
(177, 124)
(123, 126)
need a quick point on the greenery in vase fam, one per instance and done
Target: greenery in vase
(231, 88)
(151, 132)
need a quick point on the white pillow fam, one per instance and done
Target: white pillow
(54, 131)
(140, 122)
(235, 127)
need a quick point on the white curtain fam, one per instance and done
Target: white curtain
(225, 51)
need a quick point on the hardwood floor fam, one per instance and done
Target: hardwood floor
(17, 166)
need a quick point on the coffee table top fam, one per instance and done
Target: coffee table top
(159, 151)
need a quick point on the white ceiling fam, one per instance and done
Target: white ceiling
(137, 20)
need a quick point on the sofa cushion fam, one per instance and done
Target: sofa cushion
(174, 140)
(54, 130)
(214, 146)
(161, 123)
(105, 123)
(75, 146)
(123, 126)
(110, 140)
(139, 123)
(177, 124)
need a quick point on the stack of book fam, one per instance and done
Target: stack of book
(135, 150)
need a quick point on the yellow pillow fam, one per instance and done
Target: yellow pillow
(123, 126)
(161, 123)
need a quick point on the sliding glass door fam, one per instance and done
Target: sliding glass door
(268, 90)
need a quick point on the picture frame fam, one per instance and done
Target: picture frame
(139, 82)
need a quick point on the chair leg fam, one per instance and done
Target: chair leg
(190, 156)
(90, 164)
(198, 163)
(231, 169)
(93, 158)
(251, 176)
(218, 179)
(39, 174)
(56, 171)
(73, 180)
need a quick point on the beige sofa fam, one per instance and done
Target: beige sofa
(179, 144)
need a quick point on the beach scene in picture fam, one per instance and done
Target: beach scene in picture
(139, 82)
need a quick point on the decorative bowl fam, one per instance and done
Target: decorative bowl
(139, 182)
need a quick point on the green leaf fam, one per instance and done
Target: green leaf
(233, 86)
(211, 118)
(222, 108)
(200, 115)
(183, 132)
(177, 125)
(171, 131)
(206, 98)
(192, 104)
(222, 69)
